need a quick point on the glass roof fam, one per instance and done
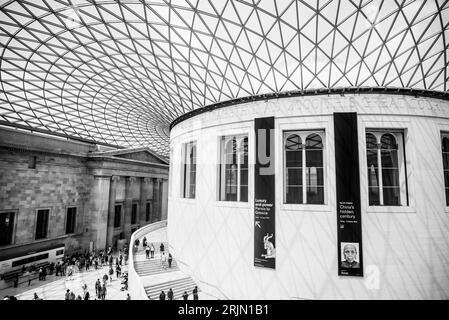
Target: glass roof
(119, 72)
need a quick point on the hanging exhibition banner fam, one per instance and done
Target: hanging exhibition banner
(349, 224)
(264, 196)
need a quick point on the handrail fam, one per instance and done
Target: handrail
(136, 288)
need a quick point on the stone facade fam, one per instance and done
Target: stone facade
(41, 172)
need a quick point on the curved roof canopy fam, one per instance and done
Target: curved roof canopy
(118, 72)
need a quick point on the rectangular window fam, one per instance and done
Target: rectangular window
(70, 220)
(147, 211)
(42, 223)
(117, 215)
(6, 228)
(445, 151)
(189, 170)
(234, 168)
(386, 169)
(134, 213)
(304, 167)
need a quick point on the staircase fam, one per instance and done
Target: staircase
(178, 286)
(153, 266)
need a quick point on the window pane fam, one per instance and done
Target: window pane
(133, 213)
(147, 212)
(390, 177)
(315, 176)
(244, 193)
(315, 195)
(371, 156)
(391, 196)
(388, 141)
(314, 158)
(244, 177)
(294, 177)
(71, 220)
(294, 195)
(313, 141)
(389, 158)
(371, 142)
(373, 176)
(293, 158)
(6, 227)
(445, 144)
(293, 142)
(373, 193)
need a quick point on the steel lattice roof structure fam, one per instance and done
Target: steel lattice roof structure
(119, 72)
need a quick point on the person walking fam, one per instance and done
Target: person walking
(162, 295)
(161, 247)
(152, 251)
(97, 288)
(147, 252)
(170, 259)
(170, 294)
(118, 271)
(111, 272)
(195, 293)
(163, 259)
(185, 296)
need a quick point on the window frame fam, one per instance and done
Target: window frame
(134, 203)
(67, 216)
(186, 170)
(444, 134)
(14, 227)
(400, 137)
(303, 135)
(223, 140)
(48, 223)
(120, 204)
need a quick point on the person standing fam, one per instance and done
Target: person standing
(163, 259)
(152, 251)
(170, 259)
(72, 295)
(147, 252)
(185, 296)
(111, 272)
(161, 247)
(97, 288)
(170, 294)
(103, 291)
(118, 271)
(128, 297)
(67, 295)
(195, 293)
(162, 295)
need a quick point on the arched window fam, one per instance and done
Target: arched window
(387, 184)
(373, 169)
(314, 169)
(234, 169)
(189, 170)
(293, 169)
(303, 166)
(390, 170)
(445, 150)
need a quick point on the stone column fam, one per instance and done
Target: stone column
(97, 213)
(111, 215)
(155, 211)
(164, 199)
(146, 193)
(126, 224)
(159, 200)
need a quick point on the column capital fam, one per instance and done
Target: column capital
(115, 178)
(131, 180)
(147, 180)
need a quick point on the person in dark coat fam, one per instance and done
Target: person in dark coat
(162, 248)
(185, 296)
(195, 293)
(162, 296)
(170, 294)
(170, 259)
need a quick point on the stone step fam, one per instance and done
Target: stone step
(178, 286)
(153, 266)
